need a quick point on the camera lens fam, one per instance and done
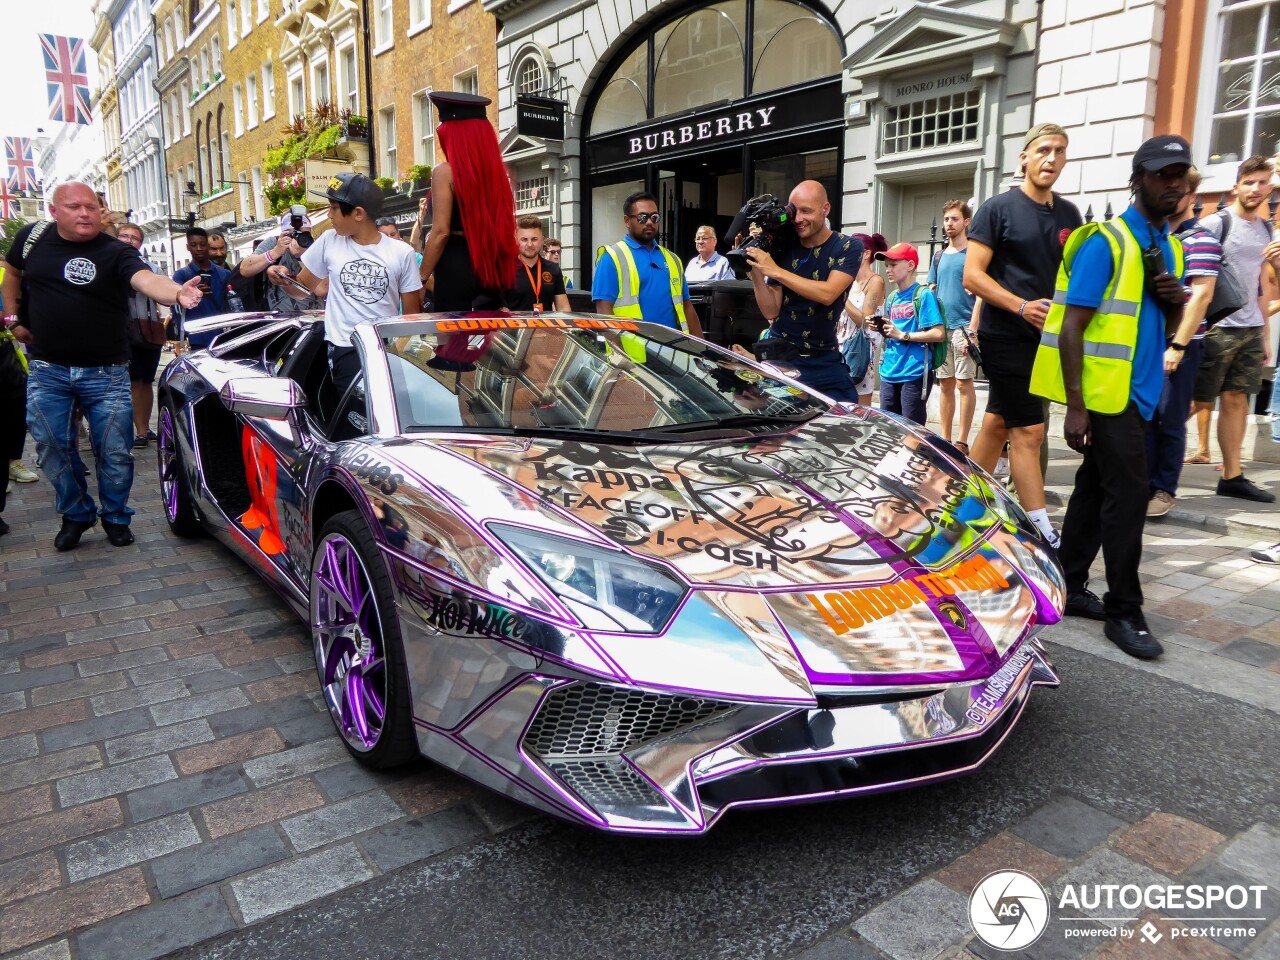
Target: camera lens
(304, 239)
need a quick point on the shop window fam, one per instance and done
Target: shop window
(791, 44)
(700, 58)
(624, 100)
(530, 76)
(1246, 103)
(935, 122)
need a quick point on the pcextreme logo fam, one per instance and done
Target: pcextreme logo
(1009, 910)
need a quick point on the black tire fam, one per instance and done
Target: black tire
(178, 508)
(397, 742)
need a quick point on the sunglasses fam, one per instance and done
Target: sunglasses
(646, 217)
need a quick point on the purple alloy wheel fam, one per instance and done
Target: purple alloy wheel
(167, 450)
(348, 642)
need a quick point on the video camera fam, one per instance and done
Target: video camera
(776, 221)
(297, 217)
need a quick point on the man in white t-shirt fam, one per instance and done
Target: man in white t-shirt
(370, 275)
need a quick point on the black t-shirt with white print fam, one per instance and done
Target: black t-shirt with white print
(76, 297)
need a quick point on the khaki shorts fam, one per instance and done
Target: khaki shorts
(1232, 361)
(958, 363)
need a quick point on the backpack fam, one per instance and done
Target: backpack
(252, 291)
(857, 354)
(1228, 294)
(937, 351)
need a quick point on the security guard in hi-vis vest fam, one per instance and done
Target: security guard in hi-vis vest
(638, 278)
(1119, 297)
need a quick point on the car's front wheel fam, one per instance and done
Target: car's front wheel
(178, 509)
(359, 654)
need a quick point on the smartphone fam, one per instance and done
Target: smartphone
(1153, 262)
(293, 280)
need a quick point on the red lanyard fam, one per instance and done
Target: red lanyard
(535, 284)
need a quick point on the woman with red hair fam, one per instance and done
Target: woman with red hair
(471, 248)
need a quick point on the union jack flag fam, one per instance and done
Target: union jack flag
(22, 166)
(8, 200)
(67, 78)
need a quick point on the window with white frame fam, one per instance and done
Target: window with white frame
(268, 90)
(245, 211)
(419, 14)
(533, 193)
(246, 17)
(217, 54)
(383, 24)
(468, 81)
(204, 65)
(530, 77)
(348, 79)
(186, 109)
(233, 24)
(387, 136)
(424, 131)
(320, 82)
(251, 98)
(237, 109)
(258, 208)
(224, 161)
(168, 40)
(935, 122)
(264, 10)
(1246, 100)
(297, 96)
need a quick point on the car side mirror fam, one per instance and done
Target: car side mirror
(270, 398)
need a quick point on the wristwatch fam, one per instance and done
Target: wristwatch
(1180, 347)
(906, 335)
(10, 321)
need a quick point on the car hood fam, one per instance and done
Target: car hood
(845, 527)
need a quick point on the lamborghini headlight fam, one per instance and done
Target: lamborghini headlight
(606, 589)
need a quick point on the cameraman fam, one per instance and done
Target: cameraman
(802, 298)
(286, 250)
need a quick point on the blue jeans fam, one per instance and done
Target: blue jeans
(827, 373)
(905, 399)
(53, 393)
(1167, 430)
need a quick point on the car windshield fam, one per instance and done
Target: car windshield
(578, 373)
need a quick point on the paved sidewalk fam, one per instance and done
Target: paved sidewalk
(1067, 842)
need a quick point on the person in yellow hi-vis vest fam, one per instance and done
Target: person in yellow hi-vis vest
(1119, 296)
(638, 278)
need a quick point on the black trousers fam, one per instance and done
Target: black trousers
(13, 432)
(1108, 509)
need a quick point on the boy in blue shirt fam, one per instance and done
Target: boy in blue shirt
(905, 364)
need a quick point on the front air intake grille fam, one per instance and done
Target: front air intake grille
(582, 729)
(586, 719)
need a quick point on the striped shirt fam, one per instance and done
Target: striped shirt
(1203, 255)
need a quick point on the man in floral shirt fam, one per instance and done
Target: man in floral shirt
(802, 296)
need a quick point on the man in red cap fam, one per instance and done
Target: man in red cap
(912, 322)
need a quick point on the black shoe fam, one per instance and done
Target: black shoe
(151, 435)
(68, 537)
(139, 442)
(118, 533)
(1131, 635)
(4, 527)
(1244, 490)
(1085, 604)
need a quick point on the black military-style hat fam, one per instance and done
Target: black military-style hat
(355, 189)
(459, 106)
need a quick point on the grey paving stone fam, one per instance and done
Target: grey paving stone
(208, 598)
(1066, 827)
(251, 621)
(143, 744)
(1245, 613)
(258, 716)
(1054, 943)
(202, 706)
(160, 929)
(186, 792)
(72, 689)
(121, 778)
(1188, 580)
(112, 602)
(348, 779)
(918, 923)
(1256, 854)
(280, 888)
(217, 860)
(297, 762)
(21, 747)
(50, 951)
(31, 645)
(1105, 867)
(14, 700)
(94, 729)
(840, 948)
(138, 697)
(1216, 873)
(397, 844)
(308, 728)
(50, 766)
(106, 631)
(1270, 949)
(337, 821)
(28, 679)
(121, 661)
(1248, 650)
(175, 668)
(500, 814)
(122, 848)
(232, 676)
(296, 662)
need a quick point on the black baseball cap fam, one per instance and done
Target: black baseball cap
(1162, 151)
(355, 189)
(459, 106)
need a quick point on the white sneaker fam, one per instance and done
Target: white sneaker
(1002, 469)
(19, 472)
(1269, 554)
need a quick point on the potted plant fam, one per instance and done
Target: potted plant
(354, 126)
(385, 184)
(420, 175)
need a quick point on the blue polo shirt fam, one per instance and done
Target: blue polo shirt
(210, 306)
(655, 284)
(1091, 271)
